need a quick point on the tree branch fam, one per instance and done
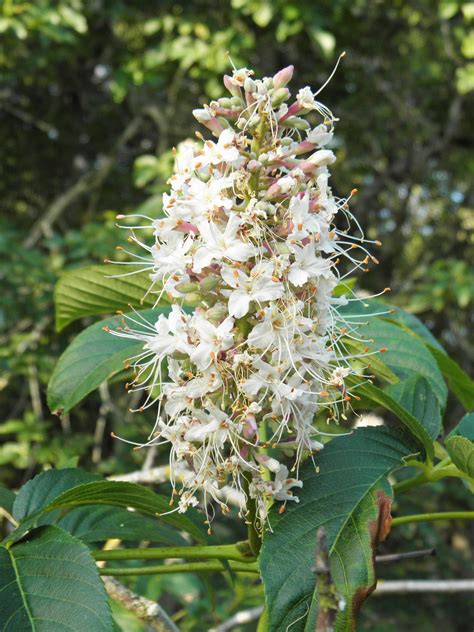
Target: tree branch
(383, 588)
(146, 610)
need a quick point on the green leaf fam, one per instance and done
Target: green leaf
(373, 394)
(7, 498)
(118, 494)
(413, 325)
(49, 583)
(460, 444)
(95, 523)
(90, 291)
(465, 427)
(45, 487)
(345, 492)
(406, 355)
(461, 451)
(364, 308)
(458, 381)
(93, 357)
(417, 397)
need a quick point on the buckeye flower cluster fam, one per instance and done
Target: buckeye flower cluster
(247, 252)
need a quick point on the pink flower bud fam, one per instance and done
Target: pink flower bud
(283, 77)
(232, 87)
(209, 121)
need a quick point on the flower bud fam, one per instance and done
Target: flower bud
(225, 102)
(187, 288)
(253, 165)
(224, 123)
(322, 157)
(217, 313)
(268, 82)
(249, 85)
(208, 283)
(204, 117)
(193, 299)
(283, 77)
(280, 95)
(296, 122)
(232, 87)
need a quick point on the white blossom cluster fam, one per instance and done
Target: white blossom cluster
(247, 251)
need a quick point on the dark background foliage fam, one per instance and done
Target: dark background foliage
(93, 95)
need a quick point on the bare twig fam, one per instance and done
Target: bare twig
(383, 588)
(244, 616)
(398, 557)
(424, 586)
(146, 610)
(105, 409)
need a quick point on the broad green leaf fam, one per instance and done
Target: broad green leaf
(375, 362)
(461, 451)
(373, 394)
(95, 523)
(406, 356)
(460, 444)
(91, 291)
(413, 325)
(7, 498)
(45, 487)
(465, 427)
(119, 494)
(345, 492)
(364, 309)
(49, 583)
(417, 397)
(93, 357)
(459, 382)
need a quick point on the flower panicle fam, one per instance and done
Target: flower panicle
(249, 253)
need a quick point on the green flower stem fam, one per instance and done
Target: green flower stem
(224, 552)
(255, 541)
(430, 517)
(262, 438)
(191, 567)
(263, 623)
(430, 475)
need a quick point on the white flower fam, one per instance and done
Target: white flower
(307, 265)
(208, 197)
(172, 256)
(286, 184)
(283, 485)
(320, 135)
(259, 285)
(338, 375)
(170, 334)
(248, 239)
(212, 340)
(322, 157)
(304, 222)
(222, 151)
(221, 244)
(240, 75)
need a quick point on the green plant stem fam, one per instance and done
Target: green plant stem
(224, 552)
(250, 519)
(191, 567)
(429, 476)
(263, 622)
(430, 517)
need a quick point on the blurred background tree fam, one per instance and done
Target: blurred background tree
(93, 96)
